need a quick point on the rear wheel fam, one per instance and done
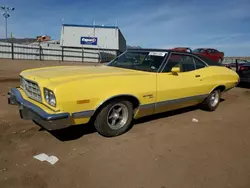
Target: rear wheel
(212, 101)
(114, 118)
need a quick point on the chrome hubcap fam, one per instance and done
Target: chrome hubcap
(117, 116)
(214, 98)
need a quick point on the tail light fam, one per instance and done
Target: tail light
(243, 68)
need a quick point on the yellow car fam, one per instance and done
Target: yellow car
(139, 82)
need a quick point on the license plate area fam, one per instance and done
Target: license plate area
(24, 113)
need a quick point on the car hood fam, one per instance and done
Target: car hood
(68, 73)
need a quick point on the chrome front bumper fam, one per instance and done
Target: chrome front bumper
(29, 111)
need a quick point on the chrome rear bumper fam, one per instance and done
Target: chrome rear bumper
(29, 111)
(245, 79)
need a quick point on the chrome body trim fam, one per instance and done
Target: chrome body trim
(30, 111)
(83, 114)
(155, 106)
(164, 62)
(181, 100)
(34, 86)
(146, 106)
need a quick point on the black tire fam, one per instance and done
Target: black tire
(208, 104)
(101, 121)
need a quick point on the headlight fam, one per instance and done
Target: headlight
(50, 97)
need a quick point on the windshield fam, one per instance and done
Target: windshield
(143, 61)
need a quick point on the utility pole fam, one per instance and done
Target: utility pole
(6, 14)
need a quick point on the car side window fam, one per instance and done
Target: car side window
(213, 51)
(184, 62)
(153, 62)
(198, 63)
(210, 51)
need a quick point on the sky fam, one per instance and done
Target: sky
(220, 24)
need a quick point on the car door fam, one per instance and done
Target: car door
(213, 55)
(178, 89)
(205, 75)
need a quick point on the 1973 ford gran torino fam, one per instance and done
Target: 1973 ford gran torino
(138, 83)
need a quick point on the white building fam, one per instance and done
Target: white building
(105, 39)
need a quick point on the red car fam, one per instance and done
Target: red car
(182, 49)
(210, 53)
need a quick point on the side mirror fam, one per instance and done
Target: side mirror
(175, 70)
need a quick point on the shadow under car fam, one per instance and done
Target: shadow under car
(77, 131)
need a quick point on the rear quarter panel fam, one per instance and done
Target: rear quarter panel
(214, 76)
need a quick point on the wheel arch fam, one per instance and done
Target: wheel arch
(133, 99)
(220, 87)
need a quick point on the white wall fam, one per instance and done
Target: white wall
(107, 38)
(5, 50)
(228, 60)
(122, 42)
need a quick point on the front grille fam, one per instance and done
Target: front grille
(31, 89)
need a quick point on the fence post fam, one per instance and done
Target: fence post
(82, 55)
(40, 53)
(62, 53)
(12, 50)
(99, 57)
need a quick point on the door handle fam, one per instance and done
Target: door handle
(197, 75)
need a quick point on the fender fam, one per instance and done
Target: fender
(116, 96)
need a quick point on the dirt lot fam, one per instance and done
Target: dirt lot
(163, 151)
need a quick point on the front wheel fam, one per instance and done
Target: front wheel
(114, 118)
(212, 101)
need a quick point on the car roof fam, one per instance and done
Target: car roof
(203, 58)
(181, 48)
(206, 48)
(149, 49)
(155, 50)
